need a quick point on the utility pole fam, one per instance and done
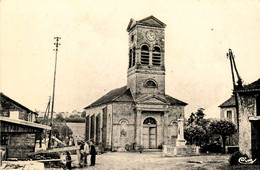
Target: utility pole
(53, 93)
(239, 81)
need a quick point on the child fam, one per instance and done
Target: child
(68, 161)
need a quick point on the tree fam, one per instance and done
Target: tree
(197, 118)
(223, 128)
(194, 134)
(197, 125)
(65, 131)
(83, 114)
(59, 118)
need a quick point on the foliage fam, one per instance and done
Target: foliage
(197, 117)
(59, 118)
(65, 131)
(233, 160)
(196, 131)
(72, 118)
(194, 134)
(61, 130)
(223, 128)
(83, 114)
(75, 119)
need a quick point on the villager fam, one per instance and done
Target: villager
(81, 149)
(71, 141)
(93, 154)
(86, 153)
(68, 161)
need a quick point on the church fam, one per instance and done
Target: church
(140, 113)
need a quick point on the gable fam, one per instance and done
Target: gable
(152, 99)
(149, 21)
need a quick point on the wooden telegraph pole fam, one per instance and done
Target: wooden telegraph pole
(53, 93)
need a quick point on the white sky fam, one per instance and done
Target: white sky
(93, 57)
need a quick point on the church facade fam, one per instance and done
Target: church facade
(139, 113)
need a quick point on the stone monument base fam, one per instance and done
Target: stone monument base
(180, 151)
(186, 150)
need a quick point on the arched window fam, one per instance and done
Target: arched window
(130, 58)
(156, 56)
(133, 57)
(123, 121)
(150, 120)
(150, 83)
(145, 55)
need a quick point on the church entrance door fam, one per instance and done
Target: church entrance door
(149, 133)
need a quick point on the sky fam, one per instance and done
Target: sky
(93, 56)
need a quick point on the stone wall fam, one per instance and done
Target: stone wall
(123, 125)
(118, 125)
(20, 145)
(246, 105)
(104, 111)
(175, 113)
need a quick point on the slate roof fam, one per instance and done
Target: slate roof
(113, 95)
(174, 101)
(229, 102)
(123, 94)
(16, 103)
(255, 86)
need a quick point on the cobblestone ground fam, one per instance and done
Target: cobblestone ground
(155, 160)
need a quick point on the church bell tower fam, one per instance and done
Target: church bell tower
(146, 70)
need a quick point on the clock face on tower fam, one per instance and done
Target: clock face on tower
(150, 35)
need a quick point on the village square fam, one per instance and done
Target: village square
(135, 102)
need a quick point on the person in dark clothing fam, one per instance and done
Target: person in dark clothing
(68, 161)
(81, 149)
(93, 154)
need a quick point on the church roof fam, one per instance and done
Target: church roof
(123, 94)
(255, 86)
(174, 101)
(114, 95)
(229, 102)
(148, 21)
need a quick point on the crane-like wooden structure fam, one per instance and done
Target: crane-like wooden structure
(236, 85)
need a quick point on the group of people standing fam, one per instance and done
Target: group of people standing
(87, 148)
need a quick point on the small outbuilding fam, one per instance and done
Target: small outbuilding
(19, 129)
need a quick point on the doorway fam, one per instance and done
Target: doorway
(149, 133)
(255, 137)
